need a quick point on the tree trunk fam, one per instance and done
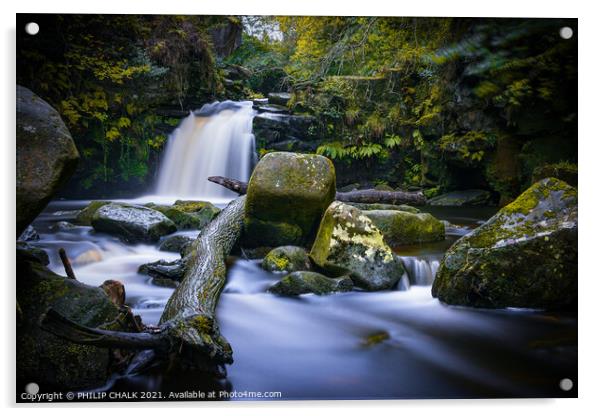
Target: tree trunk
(374, 196)
(366, 196)
(188, 333)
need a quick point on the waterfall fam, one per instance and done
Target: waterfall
(216, 140)
(421, 271)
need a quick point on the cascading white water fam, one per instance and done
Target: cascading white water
(216, 140)
(422, 272)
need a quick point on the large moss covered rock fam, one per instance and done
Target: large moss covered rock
(132, 223)
(348, 242)
(46, 359)
(301, 282)
(188, 215)
(469, 197)
(46, 155)
(524, 256)
(286, 259)
(286, 197)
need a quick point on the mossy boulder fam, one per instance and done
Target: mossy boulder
(348, 242)
(188, 215)
(524, 256)
(301, 282)
(286, 197)
(469, 197)
(46, 359)
(132, 223)
(402, 228)
(176, 244)
(62, 226)
(46, 155)
(286, 259)
(172, 270)
(84, 216)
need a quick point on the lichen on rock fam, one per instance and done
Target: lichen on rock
(286, 259)
(524, 256)
(348, 242)
(132, 223)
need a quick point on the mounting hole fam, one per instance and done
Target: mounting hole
(32, 28)
(566, 33)
(566, 384)
(32, 388)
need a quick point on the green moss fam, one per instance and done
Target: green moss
(529, 199)
(45, 358)
(278, 262)
(84, 217)
(523, 256)
(288, 188)
(376, 338)
(402, 228)
(258, 232)
(188, 214)
(286, 258)
(348, 241)
(202, 324)
(432, 192)
(523, 204)
(564, 171)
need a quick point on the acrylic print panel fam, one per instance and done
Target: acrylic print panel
(280, 208)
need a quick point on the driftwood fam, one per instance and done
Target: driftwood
(188, 333)
(66, 264)
(374, 196)
(232, 184)
(367, 196)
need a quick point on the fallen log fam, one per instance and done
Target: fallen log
(366, 196)
(188, 334)
(229, 183)
(375, 196)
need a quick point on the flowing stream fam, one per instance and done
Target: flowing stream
(357, 345)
